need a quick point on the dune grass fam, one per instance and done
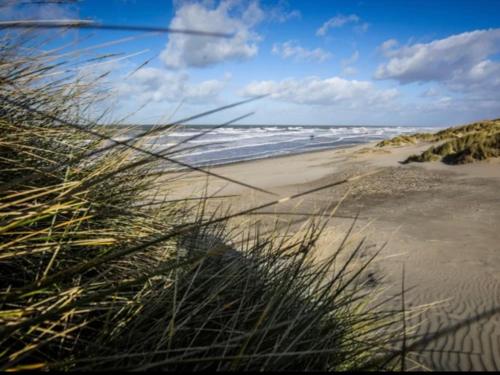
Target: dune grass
(457, 145)
(472, 147)
(99, 270)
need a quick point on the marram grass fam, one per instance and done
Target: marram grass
(456, 145)
(98, 273)
(474, 146)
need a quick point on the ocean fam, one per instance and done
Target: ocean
(239, 143)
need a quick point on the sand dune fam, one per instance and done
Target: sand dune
(441, 222)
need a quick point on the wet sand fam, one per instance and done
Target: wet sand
(442, 222)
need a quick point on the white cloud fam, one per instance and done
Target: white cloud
(482, 77)
(291, 50)
(459, 61)
(431, 92)
(351, 60)
(349, 71)
(283, 17)
(280, 12)
(362, 28)
(328, 91)
(158, 85)
(388, 47)
(339, 21)
(14, 9)
(228, 17)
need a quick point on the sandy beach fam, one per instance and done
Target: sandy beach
(440, 221)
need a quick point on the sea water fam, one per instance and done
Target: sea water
(201, 145)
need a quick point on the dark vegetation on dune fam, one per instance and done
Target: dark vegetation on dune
(100, 270)
(457, 145)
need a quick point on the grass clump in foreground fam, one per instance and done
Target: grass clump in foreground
(98, 273)
(458, 145)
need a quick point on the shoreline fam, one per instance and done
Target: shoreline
(271, 157)
(275, 157)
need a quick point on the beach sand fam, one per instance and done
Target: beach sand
(442, 222)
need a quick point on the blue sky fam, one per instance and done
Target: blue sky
(352, 62)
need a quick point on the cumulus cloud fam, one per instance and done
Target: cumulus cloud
(387, 48)
(281, 12)
(461, 61)
(229, 17)
(14, 9)
(158, 85)
(292, 50)
(328, 91)
(362, 28)
(349, 71)
(483, 76)
(339, 21)
(431, 92)
(351, 60)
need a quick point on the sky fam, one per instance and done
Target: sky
(331, 62)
